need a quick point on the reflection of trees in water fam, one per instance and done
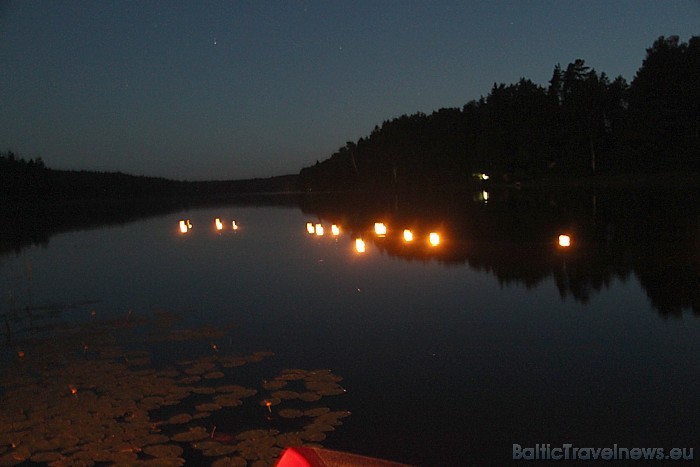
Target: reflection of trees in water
(513, 236)
(24, 225)
(652, 235)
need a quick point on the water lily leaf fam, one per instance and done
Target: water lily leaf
(163, 450)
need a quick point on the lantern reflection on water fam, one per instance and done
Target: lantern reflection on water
(407, 235)
(219, 224)
(380, 229)
(564, 241)
(310, 227)
(335, 230)
(319, 230)
(359, 245)
(434, 238)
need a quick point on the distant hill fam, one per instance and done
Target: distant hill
(31, 181)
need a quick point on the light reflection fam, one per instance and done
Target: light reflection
(434, 238)
(319, 230)
(335, 230)
(310, 227)
(359, 245)
(564, 241)
(407, 235)
(219, 224)
(380, 229)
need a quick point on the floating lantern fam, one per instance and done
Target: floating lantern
(234, 226)
(380, 229)
(219, 224)
(310, 227)
(407, 235)
(20, 353)
(564, 241)
(335, 230)
(183, 227)
(319, 230)
(359, 245)
(434, 239)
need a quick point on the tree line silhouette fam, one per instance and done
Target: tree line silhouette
(583, 123)
(30, 181)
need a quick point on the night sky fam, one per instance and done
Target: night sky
(229, 90)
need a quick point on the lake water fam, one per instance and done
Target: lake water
(449, 354)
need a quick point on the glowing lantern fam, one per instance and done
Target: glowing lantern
(359, 245)
(73, 390)
(219, 225)
(319, 230)
(407, 235)
(20, 353)
(310, 228)
(434, 239)
(183, 227)
(564, 241)
(268, 404)
(380, 229)
(234, 226)
(485, 196)
(335, 230)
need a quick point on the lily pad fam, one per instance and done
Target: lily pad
(194, 434)
(220, 450)
(285, 394)
(163, 450)
(290, 413)
(180, 419)
(214, 375)
(207, 407)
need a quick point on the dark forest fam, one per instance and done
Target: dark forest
(584, 123)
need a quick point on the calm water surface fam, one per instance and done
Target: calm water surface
(447, 358)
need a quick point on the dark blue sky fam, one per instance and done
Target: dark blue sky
(241, 89)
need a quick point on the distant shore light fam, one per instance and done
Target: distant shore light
(234, 226)
(434, 238)
(359, 245)
(219, 224)
(407, 235)
(310, 227)
(183, 227)
(335, 230)
(319, 230)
